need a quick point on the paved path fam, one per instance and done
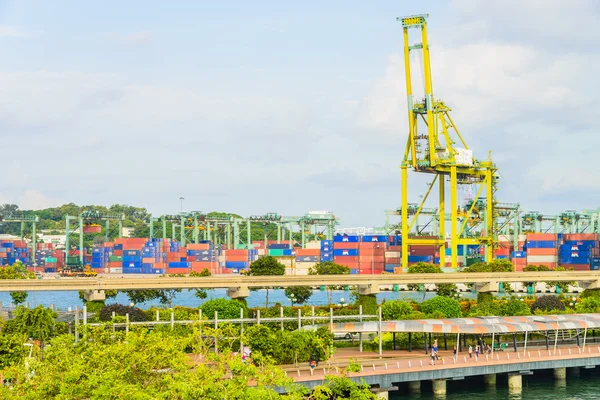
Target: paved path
(402, 361)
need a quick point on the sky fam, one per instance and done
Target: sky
(268, 106)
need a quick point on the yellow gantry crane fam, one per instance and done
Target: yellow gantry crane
(436, 147)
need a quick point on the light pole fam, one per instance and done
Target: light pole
(181, 199)
(342, 303)
(292, 299)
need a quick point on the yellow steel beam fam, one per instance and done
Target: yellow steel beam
(424, 242)
(442, 219)
(404, 216)
(428, 94)
(489, 249)
(454, 217)
(421, 205)
(456, 130)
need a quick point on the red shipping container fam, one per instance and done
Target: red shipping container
(369, 271)
(505, 251)
(394, 248)
(118, 253)
(198, 246)
(115, 264)
(159, 265)
(375, 259)
(345, 245)
(171, 271)
(580, 236)
(191, 258)
(393, 260)
(351, 265)
(345, 259)
(236, 253)
(372, 251)
(199, 266)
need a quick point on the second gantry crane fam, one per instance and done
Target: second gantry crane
(435, 147)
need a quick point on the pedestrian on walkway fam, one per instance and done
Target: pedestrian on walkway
(433, 355)
(454, 352)
(470, 351)
(477, 351)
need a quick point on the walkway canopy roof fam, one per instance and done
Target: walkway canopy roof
(478, 325)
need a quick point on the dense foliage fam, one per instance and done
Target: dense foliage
(298, 294)
(396, 309)
(441, 307)
(135, 314)
(285, 347)
(227, 309)
(547, 303)
(16, 271)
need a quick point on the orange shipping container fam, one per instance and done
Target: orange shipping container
(541, 236)
(581, 236)
(184, 271)
(393, 260)
(308, 252)
(541, 252)
(118, 253)
(372, 252)
(198, 246)
(148, 260)
(375, 259)
(371, 245)
(236, 258)
(345, 259)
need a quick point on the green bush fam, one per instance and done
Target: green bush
(368, 303)
(484, 297)
(590, 293)
(135, 314)
(515, 307)
(395, 309)
(547, 303)
(439, 305)
(227, 309)
(588, 305)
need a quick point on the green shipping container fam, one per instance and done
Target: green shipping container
(50, 259)
(276, 252)
(116, 258)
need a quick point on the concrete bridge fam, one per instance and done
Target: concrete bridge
(401, 369)
(239, 285)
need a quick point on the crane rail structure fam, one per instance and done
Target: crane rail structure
(436, 151)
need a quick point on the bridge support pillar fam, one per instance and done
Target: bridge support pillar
(489, 380)
(439, 386)
(575, 372)
(515, 383)
(238, 293)
(368, 289)
(94, 295)
(384, 394)
(560, 374)
(486, 287)
(414, 387)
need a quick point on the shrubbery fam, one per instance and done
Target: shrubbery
(135, 314)
(441, 307)
(227, 309)
(547, 303)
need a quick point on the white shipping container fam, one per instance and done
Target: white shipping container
(304, 265)
(313, 245)
(115, 270)
(542, 259)
(261, 252)
(393, 254)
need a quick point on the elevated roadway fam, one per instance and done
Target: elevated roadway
(484, 281)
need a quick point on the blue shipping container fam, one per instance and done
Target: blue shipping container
(132, 270)
(585, 243)
(289, 252)
(236, 264)
(428, 259)
(345, 238)
(353, 271)
(326, 243)
(567, 249)
(374, 238)
(519, 254)
(132, 258)
(131, 252)
(279, 246)
(541, 244)
(132, 264)
(345, 252)
(326, 258)
(576, 260)
(158, 271)
(181, 264)
(118, 246)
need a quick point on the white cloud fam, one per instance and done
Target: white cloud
(13, 31)
(132, 39)
(35, 200)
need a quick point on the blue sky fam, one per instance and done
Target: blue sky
(272, 106)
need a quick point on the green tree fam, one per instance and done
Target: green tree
(36, 323)
(301, 294)
(563, 286)
(200, 292)
(226, 308)
(443, 289)
(588, 305)
(16, 271)
(329, 268)
(498, 265)
(266, 266)
(444, 306)
(12, 350)
(547, 304)
(164, 296)
(395, 309)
